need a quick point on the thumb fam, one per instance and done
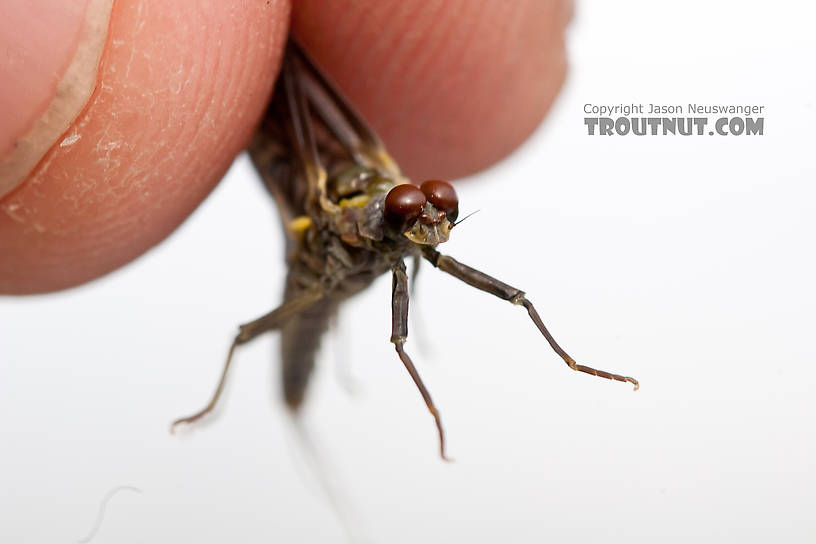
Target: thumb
(117, 119)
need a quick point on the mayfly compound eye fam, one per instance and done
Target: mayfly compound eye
(442, 196)
(403, 204)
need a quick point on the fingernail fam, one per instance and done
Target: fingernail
(49, 59)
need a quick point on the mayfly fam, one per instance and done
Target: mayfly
(350, 216)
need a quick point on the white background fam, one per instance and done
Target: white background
(687, 262)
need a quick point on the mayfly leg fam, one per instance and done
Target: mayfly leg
(269, 322)
(399, 334)
(491, 285)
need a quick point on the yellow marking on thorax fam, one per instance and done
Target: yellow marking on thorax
(357, 201)
(299, 225)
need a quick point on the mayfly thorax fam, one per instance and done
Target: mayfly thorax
(350, 216)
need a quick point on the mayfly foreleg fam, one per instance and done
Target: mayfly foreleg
(269, 322)
(500, 289)
(399, 334)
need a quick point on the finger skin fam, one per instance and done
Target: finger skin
(52, 54)
(180, 90)
(450, 86)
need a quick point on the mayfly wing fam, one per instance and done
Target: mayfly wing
(308, 129)
(273, 156)
(284, 149)
(341, 118)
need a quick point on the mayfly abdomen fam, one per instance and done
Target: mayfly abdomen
(300, 340)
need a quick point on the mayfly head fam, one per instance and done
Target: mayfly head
(423, 214)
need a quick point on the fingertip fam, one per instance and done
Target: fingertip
(180, 88)
(451, 87)
(51, 58)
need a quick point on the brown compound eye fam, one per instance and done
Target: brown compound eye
(442, 196)
(403, 204)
